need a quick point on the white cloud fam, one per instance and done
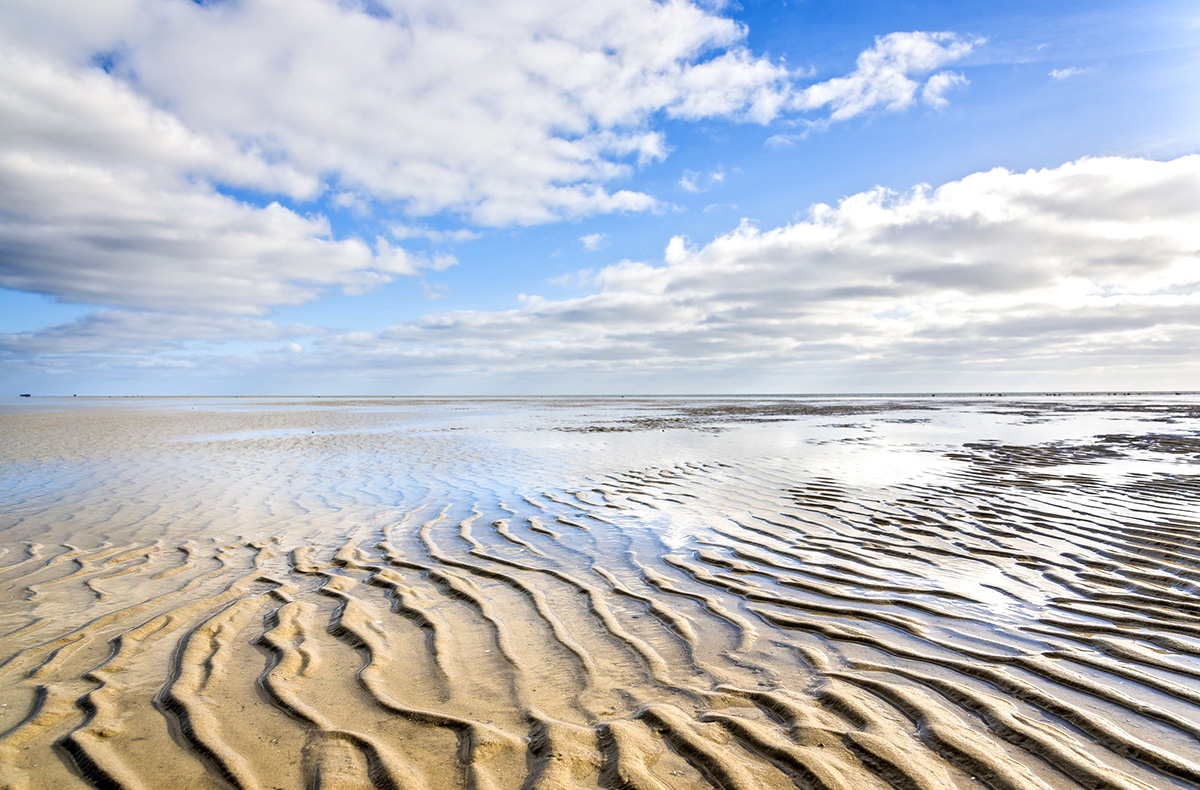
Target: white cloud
(508, 113)
(402, 231)
(887, 75)
(354, 201)
(1070, 71)
(593, 241)
(131, 129)
(114, 237)
(127, 332)
(1092, 263)
(99, 204)
(936, 87)
(577, 279)
(690, 181)
(677, 250)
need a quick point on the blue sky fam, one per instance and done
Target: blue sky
(255, 197)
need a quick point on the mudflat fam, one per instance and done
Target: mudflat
(504, 594)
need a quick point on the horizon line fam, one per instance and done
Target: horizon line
(482, 396)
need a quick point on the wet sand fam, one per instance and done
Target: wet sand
(515, 594)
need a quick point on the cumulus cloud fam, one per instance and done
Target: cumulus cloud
(1000, 277)
(100, 204)
(97, 236)
(936, 87)
(132, 131)
(507, 113)
(888, 76)
(169, 157)
(1091, 263)
(79, 114)
(593, 241)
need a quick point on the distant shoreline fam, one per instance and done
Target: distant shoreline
(657, 396)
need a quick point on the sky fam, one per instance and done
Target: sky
(408, 197)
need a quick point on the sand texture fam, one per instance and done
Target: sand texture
(533, 594)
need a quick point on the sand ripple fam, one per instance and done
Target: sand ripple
(361, 607)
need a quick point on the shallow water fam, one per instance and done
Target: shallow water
(624, 593)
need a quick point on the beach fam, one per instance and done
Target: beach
(647, 593)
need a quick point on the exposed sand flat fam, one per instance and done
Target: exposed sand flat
(646, 594)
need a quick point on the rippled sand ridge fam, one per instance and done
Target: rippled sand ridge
(912, 593)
